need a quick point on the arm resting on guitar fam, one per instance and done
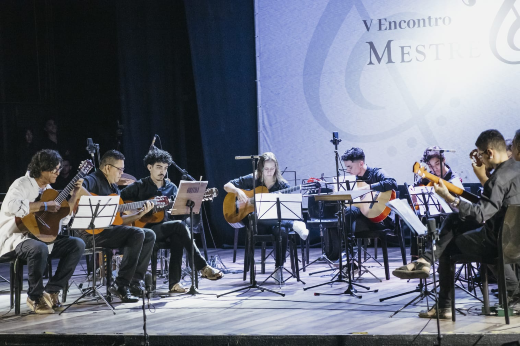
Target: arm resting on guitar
(229, 187)
(385, 183)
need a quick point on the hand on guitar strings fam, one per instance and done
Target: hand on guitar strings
(242, 197)
(52, 206)
(442, 191)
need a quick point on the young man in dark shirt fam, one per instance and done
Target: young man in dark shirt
(438, 166)
(376, 179)
(137, 242)
(475, 228)
(157, 162)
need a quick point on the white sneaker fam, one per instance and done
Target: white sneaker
(300, 228)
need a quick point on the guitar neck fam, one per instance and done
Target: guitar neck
(452, 188)
(289, 189)
(134, 205)
(67, 190)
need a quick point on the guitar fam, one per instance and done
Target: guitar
(235, 211)
(45, 225)
(375, 212)
(473, 155)
(159, 201)
(158, 214)
(421, 171)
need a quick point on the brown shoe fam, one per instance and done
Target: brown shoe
(414, 270)
(444, 314)
(53, 299)
(39, 306)
(211, 273)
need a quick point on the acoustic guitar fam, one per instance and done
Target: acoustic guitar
(235, 210)
(375, 211)
(45, 225)
(159, 201)
(158, 213)
(473, 155)
(422, 172)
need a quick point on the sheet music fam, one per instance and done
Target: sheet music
(403, 209)
(290, 206)
(436, 204)
(87, 205)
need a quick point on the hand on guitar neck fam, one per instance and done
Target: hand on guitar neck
(480, 170)
(128, 219)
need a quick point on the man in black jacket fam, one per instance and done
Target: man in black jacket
(474, 230)
(157, 162)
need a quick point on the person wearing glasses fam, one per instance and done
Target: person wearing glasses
(137, 242)
(438, 166)
(21, 200)
(474, 229)
(268, 174)
(172, 231)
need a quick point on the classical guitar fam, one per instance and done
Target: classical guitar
(421, 171)
(473, 155)
(158, 213)
(44, 225)
(374, 204)
(159, 201)
(235, 210)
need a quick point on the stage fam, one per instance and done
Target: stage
(257, 318)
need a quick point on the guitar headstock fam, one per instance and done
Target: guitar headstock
(85, 166)
(161, 201)
(210, 194)
(419, 170)
(473, 155)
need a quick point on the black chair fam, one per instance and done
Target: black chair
(384, 235)
(15, 279)
(508, 245)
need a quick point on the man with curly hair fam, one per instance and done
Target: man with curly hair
(173, 231)
(20, 200)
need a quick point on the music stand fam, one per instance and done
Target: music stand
(342, 197)
(272, 206)
(94, 212)
(188, 201)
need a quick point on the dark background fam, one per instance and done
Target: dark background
(121, 71)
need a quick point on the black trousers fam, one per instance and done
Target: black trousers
(36, 253)
(355, 220)
(271, 227)
(463, 237)
(178, 235)
(137, 244)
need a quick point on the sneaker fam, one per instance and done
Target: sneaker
(444, 313)
(300, 228)
(414, 270)
(211, 273)
(178, 288)
(123, 293)
(39, 305)
(53, 299)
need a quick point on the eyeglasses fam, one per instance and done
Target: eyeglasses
(479, 154)
(119, 169)
(56, 170)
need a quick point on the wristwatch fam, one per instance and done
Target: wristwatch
(455, 202)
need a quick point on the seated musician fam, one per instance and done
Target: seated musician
(157, 162)
(432, 157)
(136, 242)
(376, 179)
(19, 201)
(268, 174)
(475, 228)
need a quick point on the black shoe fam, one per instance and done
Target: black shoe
(123, 293)
(137, 289)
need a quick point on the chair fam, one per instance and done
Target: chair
(15, 280)
(384, 235)
(105, 270)
(508, 246)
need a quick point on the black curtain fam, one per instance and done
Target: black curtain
(222, 40)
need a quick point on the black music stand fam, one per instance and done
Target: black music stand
(188, 201)
(94, 212)
(280, 207)
(252, 229)
(342, 197)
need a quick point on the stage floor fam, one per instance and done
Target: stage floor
(260, 313)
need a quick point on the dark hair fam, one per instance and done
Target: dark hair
(110, 157)
(516, 140)
(509, 144)
(265, 157)
(157, 155)
(44, 160)
(430, 153)
(491, 139)
(353, 154)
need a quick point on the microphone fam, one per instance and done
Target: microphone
(442, 150)
(247, 157)
(91, 147)
(148, 284)
(153, 142)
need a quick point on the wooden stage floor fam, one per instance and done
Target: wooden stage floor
(300, 314)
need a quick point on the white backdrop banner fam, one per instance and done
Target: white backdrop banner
(392, 77)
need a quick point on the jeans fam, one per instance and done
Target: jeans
(36, 253)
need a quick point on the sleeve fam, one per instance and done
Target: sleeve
(383, 182)
(244, 183)
(89, 184)
(489, 204)
(131, 192)
(16, 200)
